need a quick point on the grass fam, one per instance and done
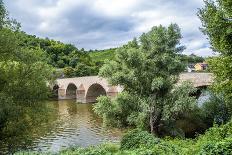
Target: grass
(101, 56)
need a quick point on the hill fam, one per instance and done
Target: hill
(102, 55)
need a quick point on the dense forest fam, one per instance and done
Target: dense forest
(73, 62)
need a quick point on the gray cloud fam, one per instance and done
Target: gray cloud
(99, 24)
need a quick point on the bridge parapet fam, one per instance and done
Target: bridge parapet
(198, 79)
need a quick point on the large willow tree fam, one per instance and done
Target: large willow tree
(148, 71)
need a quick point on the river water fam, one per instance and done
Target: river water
(69, 124)
(59, 125)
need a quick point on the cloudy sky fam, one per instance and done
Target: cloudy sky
(101, 24)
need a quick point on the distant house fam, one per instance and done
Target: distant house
(190, 68)
(201, 66)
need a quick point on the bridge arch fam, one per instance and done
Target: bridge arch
(199, 90)
(95, 90)
(71, 91)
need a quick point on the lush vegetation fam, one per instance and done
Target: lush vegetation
(148, 71)
(147, 68)
(65, 57)
(217, 25)
(100, 56)
(152, 102)
(192, 58)
(24, 74)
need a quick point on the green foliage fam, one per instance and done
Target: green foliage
(104, 149)
(222, 69)
(215, 135)
(85, 70)
(8, 44)
(217, 25)
(59, 54)
(31, 77)
(192, 58)
(216, 110)
(2, 14)
(24, 80)
(99, 56)
(138, 139)
(148, 71)
(120, 111)
(223, 147)
(216, 21)
(80, 70)
(69, 72)
(179, 101)
(6, 103)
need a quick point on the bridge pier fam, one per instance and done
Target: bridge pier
(80, 95)
(61, 94)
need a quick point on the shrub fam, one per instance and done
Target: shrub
(104, 149)
(223, 147)
(213, 138)
(119, 112)
(138, 139)
(216, 110)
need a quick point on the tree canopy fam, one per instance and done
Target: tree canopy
(217, 25)
(24, 75)
(148, 72)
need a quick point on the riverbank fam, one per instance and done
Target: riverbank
(217, 140)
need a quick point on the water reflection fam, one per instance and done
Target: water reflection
(204, 97)
(72, 125)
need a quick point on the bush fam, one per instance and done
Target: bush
(122, 111)
(216, 110)
(104, 149)
(223, 147)
(137, 139)
(213, 138)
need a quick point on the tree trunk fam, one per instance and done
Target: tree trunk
(157, 126)
(155, 120)
(151, 122)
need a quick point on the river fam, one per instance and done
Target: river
(70, 124)
(59, 125)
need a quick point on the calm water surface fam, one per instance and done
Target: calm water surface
(61, 125)
(73, 125)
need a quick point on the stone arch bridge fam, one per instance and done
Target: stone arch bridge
(87, 89)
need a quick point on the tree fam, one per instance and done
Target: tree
(192, 58)
(217, 25)
(23, 79)
(150, 72)
(2, 14)
(68, 72)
